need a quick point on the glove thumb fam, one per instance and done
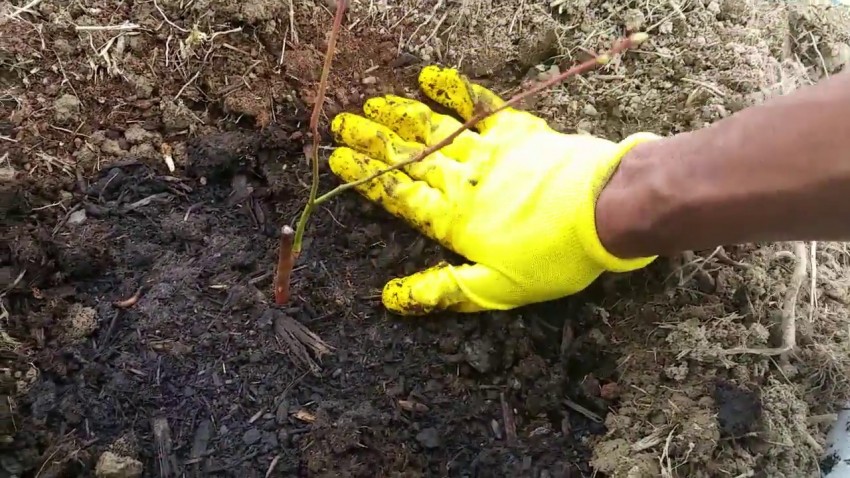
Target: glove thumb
(445, 287)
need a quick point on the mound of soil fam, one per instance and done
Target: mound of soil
(140, 337)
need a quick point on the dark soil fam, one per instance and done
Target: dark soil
(193, 374)
(738, 410)
(199, 350)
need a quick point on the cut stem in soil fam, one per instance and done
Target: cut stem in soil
(289, 246)
(285, 261)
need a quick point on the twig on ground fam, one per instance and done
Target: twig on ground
(158, 197)
(165, 17)
(46, 461)
(4, 313)
(93, 28)
(789, 305)
(166, 461)
(724, 258)
(704, 279)
(820, 419)
(272, 465)
(510, 420)
(65, 77)
(664, 459)
(813, 282)
(186, 85)
(582, 410)
(25, 8)
(292, 29)
(619, 47)
(413, 406)
(651, 440)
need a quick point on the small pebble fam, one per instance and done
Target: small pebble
(610, 391)
(252, 436)
(497, 429)
(77, 217)
(429, 438)
(478, 354)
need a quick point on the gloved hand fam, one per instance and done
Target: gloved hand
(516, 198)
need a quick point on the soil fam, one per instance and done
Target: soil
(140, 334)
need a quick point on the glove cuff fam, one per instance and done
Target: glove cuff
(588, 234)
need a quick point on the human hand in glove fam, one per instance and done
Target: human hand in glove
(516, 198)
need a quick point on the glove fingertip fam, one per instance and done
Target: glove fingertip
(338, 124)
(374, 105)
(340, 159)
(397, 297)
(428, 74)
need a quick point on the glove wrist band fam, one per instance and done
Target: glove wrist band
(589, 236)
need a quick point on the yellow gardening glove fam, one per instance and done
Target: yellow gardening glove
(516, 198)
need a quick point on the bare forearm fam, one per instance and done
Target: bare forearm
(773, 172)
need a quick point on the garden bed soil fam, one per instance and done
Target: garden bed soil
(140, 331)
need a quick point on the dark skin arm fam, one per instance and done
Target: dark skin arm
(779, 171)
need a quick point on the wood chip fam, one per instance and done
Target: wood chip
(200, 445)
(304, 416)
(413, 406)
(166, 461)
(510, 420)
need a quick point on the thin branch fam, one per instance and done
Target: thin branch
(619, 47)
(314, 127)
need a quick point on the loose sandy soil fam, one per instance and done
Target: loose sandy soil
(202, 376)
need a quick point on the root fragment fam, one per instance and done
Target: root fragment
(130, 301)
(789, 319)
(300, 343)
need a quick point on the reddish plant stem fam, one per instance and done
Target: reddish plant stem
(314, 126)
(620, 46)
(291, 240)
(285, 261)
